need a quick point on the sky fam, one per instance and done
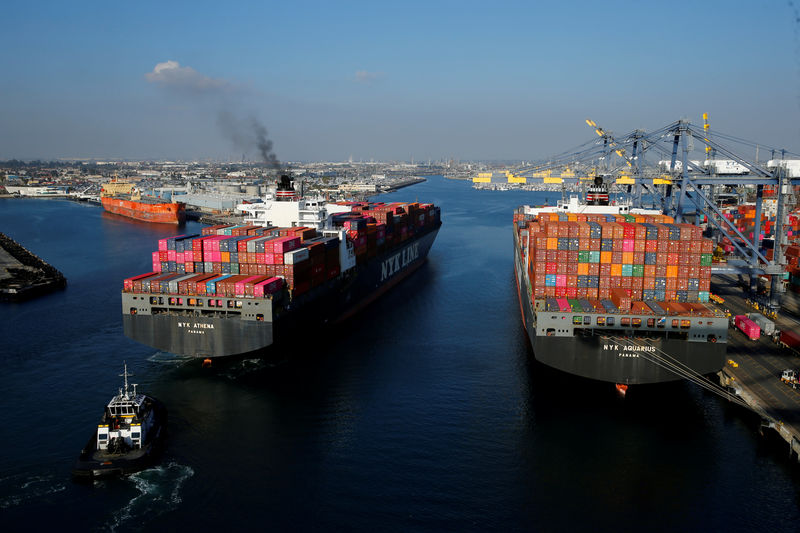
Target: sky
(386, 81)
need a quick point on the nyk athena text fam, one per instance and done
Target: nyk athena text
(195, 327)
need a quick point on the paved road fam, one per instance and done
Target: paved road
(761, 361)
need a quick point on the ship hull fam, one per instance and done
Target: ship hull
(162, 213)
(630, 359)
(262, 323)
(95, 464)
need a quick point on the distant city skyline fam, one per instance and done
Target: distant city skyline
(312, 81)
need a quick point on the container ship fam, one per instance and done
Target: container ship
(123, 198)
(617, 295)
(293, 265)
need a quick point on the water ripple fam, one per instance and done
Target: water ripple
(159, 492)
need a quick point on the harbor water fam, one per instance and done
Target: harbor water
(425, 412)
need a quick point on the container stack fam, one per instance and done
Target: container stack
(253, 261)
(743, 218)
(619, 258)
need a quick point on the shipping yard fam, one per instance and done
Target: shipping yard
(754, 367)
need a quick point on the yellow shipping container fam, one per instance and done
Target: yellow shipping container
(481, 180)
(616, 269)
(514, 179)
(583, 269)
(672, 271)
(553, 180)
(225, 257)
(552, 243)
(605, 258)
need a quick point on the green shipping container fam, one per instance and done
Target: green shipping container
(583, 256)
(638, 271)
(705, 260)
(594, 256)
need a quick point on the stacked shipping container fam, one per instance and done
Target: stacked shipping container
(254, 261)
(618, 259)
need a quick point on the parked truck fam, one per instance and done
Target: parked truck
(767, 326)
(747, 326)
(790, 339)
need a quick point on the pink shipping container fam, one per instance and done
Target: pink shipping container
(211, 244)
(270, 286)
(561, 280)
(284, 244)
(156, 266)
(156, 257)
(747, 326)
(238, 287)
(563, 305)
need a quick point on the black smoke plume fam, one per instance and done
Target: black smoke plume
(248, 134)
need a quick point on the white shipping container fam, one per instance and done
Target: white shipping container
(767, 326)
(295, 256)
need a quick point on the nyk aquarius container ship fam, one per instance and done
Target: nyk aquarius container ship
(616, 295)
(123, 198)
(293, 265)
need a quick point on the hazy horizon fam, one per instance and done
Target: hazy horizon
(323, 82)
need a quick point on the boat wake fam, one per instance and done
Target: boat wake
(159, 492)
(20, 490)
(166, 358)
(244, 367)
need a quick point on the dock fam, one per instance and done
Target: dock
(754, 367)
(24, 275)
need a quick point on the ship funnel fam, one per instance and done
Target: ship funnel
(597, 193)
(285, 189)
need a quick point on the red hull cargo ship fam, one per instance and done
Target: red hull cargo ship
(124, 199)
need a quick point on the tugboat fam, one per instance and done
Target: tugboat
(128, 438)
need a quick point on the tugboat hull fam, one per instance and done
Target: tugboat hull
(95, 464)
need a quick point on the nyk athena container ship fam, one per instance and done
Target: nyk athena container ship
(617, 295)
(293, 264)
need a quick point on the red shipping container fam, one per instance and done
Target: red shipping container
(747, 326)
(790, 338)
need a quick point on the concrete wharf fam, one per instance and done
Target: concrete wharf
(24, 275)
(754, 367)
